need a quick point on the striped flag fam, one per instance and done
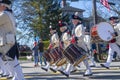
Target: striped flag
(105, 3)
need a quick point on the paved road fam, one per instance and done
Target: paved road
(99, 73)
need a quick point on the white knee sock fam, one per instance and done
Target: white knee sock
(86, 64)
(69, 68)
(18, 70)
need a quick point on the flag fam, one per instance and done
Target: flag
(105, 3)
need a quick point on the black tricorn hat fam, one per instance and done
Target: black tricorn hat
(113, 17)
(8, 2)
(52, 28)
(75, 16)
(62, 24)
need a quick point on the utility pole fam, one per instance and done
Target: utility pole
(94, 12)
(64, 3)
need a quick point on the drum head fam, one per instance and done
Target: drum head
(104, 30)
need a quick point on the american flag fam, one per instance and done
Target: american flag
(105, 3)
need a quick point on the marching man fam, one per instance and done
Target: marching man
(64, 41)
(54, 42)
(113, 47)
(78, 38)
(8, 45)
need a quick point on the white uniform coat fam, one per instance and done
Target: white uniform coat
(79, 33)
(117, 29)
(7, 31)
(66, 39)
(54, 40)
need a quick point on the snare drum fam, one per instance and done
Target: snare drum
(51, 55)
(55, 56)
(102, 32)
(74, 54)
(61, 60)
(47, 56)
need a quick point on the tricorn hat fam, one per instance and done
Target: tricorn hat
(7, 3)
(75, 16)
(62, 24)
(52, 28)
(113, 17)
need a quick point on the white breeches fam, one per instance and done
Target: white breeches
(112, 48)
(18, 74)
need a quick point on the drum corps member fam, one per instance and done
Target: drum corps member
(54, 42)
(117, 29)
(64, 41)
(113, 47)
(65, 37)
(78, 36)
(87, 40)
(8, 45)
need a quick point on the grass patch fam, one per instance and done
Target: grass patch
(22, 58)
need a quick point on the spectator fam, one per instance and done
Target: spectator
(41, 51)
(94, 51)
(35, 54)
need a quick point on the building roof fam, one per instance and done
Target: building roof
(98, 18)
(72, 9)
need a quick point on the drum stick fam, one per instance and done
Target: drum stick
(113, 34)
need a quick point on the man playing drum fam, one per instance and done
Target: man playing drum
(78, 36)
(65, 37)
(54, 42)
(117, 29)
(64, 41)
(113, 47)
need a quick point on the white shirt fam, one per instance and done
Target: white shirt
(54, 40)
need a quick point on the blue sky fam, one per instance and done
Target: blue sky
(85, 5)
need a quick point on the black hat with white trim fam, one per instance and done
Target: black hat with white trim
(7, 3)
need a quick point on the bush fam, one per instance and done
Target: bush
(25, 53)
(23, 58)
(46, 44)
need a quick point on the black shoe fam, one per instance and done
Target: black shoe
(73, 71)
(53, 70)
(44, 68)
(104, 66)
(4, 75)
(64, 73)
(1, 73)
(87, 74)
(9, 77)
(92, 66)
